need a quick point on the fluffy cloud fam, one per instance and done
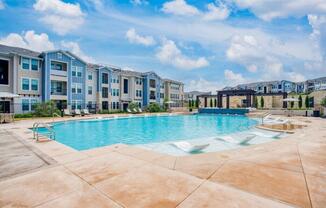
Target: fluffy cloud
(215, 12)
(270, 9)
(75, 49)
(169, 53)
(133, 37)
(262, 55)
(139, 2)
(232, 78)
(30, 40)
(2, 5)
(203, 85)
(179, 7)
(61, 17)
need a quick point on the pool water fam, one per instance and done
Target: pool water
(87, 134)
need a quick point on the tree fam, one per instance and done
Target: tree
(215, 103)
(45, 109)
(292, 103)
(323, 102)
(255, 102)
(154, 107)
(197, 103)
(262, 102)
(300, 102)
(306, 102)
(211, 103)
(165, 103)
(193, 103)
(189, 104)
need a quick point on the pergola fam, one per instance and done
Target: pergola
(248, 93)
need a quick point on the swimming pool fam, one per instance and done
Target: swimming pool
(87, 134)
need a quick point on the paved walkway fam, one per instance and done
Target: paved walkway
(286, 173)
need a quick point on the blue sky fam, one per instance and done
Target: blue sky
(206, 44)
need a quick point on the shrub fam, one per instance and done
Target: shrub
(193, 103)
(104, 112)
(46, 109)
(133, 106)
(255, 102)
(197, 103)
(154, 107)
(25, 115)
(211, 103)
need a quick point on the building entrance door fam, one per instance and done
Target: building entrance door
(4, 106)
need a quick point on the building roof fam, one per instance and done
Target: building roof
(173, 81)
(131, 73)
(19, 51)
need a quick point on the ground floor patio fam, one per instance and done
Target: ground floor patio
(290, 172)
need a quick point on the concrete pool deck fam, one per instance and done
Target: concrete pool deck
(290, 172)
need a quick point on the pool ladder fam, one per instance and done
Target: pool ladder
(50, 134)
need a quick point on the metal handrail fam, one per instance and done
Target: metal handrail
(36, 125)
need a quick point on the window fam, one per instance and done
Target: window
(105, 92)
(279, 86)
(73, 71)
(34, 64)
(113, 105)
(25, 84)
(162, 95)
(118, 91)
(105, 78)
(79, 88)
(59, 55)
(33, 104)
(73, 89)
(34, 84)
(4, 72)
(25, 104)
(125, 86)
(152, 83)
(105, 105)
(79, 71)
(152, 95)
(90, 90)
(76, 104)
(25, 63)
(90, 76)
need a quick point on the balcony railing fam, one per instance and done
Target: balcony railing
(58, 91)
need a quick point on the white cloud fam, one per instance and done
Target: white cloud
(2, 5)
(133, 37)
(169, 53)
(295, 77)
(214, 12)
(139, 2)
(271, 9)
(29, 40)
(61, 17)
(233, 78)
(203, 85)
(179, 7)
(75, 49)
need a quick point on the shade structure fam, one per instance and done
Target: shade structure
(291, 100)
(8, 95)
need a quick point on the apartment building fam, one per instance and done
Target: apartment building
(174, 92)
(28, 77)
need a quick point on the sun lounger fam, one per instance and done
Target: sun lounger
(77, 112)
(85, 111)
(232, 140)
(187, 147)
(140, 110)
(128, 110)
(134, 110)
(67, 112)
(260, 134)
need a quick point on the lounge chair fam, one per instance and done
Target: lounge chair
(85, 111)
(232, 140)
(260, 134)
(128, 110)
(67, 112)
(140, 110)
(134, 110)
(77, 112)
(187, 147)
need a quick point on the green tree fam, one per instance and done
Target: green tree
(193, 103)
(255, 102)
(262, 102)
(323, 102)
(197, 103)
(306, 102)
(211, 103)
(45, 109)
(215, 103)
(189, 104)
(165, 103)
(292, 103)
(300, 102)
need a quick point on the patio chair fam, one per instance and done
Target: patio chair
(187, 147)
(140, 110)
(85, 111)
(232, 140)
(2, 118)
(260, 134)
(67, 112)
(77, 112)
(128, 110)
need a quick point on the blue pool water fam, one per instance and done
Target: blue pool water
(82, 135)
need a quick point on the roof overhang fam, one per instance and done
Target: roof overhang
(8, 95)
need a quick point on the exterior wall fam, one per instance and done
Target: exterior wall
(114, 85)
(174, 92)
(12, 69)
(91, 83)
(100, 84)
(147, 89)
(236, 101)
